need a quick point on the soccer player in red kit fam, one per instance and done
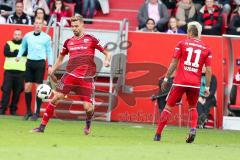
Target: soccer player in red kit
(188, 59)
(81, 70)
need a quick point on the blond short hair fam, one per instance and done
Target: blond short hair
(197, 25)
(77, 17)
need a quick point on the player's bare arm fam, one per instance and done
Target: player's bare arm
(107, 58)
(57, 64)
(171, 69)
(208, 80)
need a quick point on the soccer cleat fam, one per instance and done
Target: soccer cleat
(157, 137)
(86, 131)
(34, 117)
(191, 135)
(38, 130)
(27, 116)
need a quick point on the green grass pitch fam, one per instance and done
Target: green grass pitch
(64, 140)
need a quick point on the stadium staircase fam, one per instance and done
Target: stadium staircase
(119, 10)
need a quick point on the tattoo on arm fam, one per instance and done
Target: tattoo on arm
(208, 76)
(172, 67)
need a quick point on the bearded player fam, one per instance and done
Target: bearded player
(188, 59)
(81, 70)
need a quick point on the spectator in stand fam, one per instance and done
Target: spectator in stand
(173, 27)
(170, 4)
(186, 13)
(210, 18)
(155, 10)
(88, 9)
(40, 14)
(2, 20)
(58, 8)
(234, 27)
(225, 5)
(30, 6)
(19, 17)
(150, 26)
(7, 7)
(198, 4)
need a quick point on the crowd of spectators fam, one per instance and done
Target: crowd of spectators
(25, 11)
(216, 16)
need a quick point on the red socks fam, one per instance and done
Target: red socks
(164, 117)
(193, 117)
(48, 114)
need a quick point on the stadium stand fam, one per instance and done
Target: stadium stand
(120, 9)
(70, 7)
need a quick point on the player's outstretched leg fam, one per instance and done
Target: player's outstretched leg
(164, 117)
(49, 112)
(193, 125)
(89, 115)
(47, 115)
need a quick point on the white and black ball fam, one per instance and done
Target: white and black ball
(44, 91)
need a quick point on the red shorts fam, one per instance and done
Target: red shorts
(80, 86)
(176, 93)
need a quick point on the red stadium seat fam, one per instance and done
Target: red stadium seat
(224, 23)
(71, 8)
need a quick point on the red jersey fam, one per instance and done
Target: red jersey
(81, 55)
(192, 54)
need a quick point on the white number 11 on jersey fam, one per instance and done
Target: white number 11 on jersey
(189, 57)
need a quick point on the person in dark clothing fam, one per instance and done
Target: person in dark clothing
(205, 103)
(162, 95)
(210, 18)
(13, 82)
(19, 17)
(234, 27)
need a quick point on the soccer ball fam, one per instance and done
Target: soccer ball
(44, 91)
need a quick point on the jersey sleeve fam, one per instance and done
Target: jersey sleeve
(177, 51)
(208, 59)
(97, 44)
(24, 46)
(64, 48)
